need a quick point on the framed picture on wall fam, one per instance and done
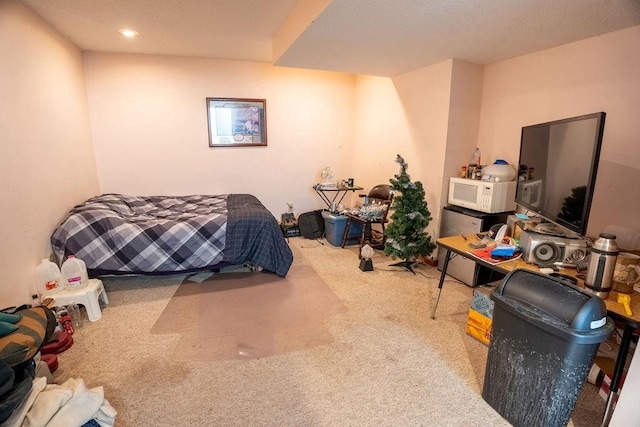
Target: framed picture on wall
(237, 122)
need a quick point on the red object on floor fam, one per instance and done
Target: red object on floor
(51, 360)
(60, 343)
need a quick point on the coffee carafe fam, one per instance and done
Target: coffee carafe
(604, 253)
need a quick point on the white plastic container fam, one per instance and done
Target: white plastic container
(47, 278)
(74, 273)
(498, 172)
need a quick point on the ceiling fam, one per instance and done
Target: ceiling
(373, 37)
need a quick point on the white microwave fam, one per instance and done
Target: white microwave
(483, 196)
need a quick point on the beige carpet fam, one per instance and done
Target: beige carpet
(249, 315)
(386, 363)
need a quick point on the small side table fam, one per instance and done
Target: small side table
(334, 199)
(87, 296)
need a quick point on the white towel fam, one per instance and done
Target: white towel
(106, 415)
(70, 404)
(52, 398)
(19, 414)
(80, 408)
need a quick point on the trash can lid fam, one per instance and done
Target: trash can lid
(558, 298)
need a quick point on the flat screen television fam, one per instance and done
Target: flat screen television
(557, 170)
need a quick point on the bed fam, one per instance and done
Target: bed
(122, 234)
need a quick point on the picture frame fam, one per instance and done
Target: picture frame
(237, 122)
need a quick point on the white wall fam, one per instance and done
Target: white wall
(464, 118)
(425, 95)
(46, 154)
(596, 74)
(627, 410)
(406, 115)
(381, 132)
(430, 116)
(149, 125)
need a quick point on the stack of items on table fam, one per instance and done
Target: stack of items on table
(30, 338)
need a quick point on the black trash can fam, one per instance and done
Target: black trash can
(545, 335)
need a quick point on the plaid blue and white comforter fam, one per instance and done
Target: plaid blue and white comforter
(119, 234)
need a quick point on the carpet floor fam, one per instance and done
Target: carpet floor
(328, 345)
(249, 315)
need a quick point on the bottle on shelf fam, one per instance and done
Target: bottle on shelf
(475, 157)
(474, 164)
(478, 172)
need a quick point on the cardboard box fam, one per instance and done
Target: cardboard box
(479, 327)
(481, 313)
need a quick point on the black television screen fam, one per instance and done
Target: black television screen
(557, 169)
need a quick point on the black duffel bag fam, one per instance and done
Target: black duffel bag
(311, 224)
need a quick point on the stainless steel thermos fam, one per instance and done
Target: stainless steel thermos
(604, 253)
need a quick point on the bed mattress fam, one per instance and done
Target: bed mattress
(121, 234)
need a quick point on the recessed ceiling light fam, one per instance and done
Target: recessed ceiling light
(128, 33)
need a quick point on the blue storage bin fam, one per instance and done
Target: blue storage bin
(334, 226)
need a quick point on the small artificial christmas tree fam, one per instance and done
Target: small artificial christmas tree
(406, 237)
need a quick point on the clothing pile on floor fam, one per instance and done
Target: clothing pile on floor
(27, 395)
(65, 405)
